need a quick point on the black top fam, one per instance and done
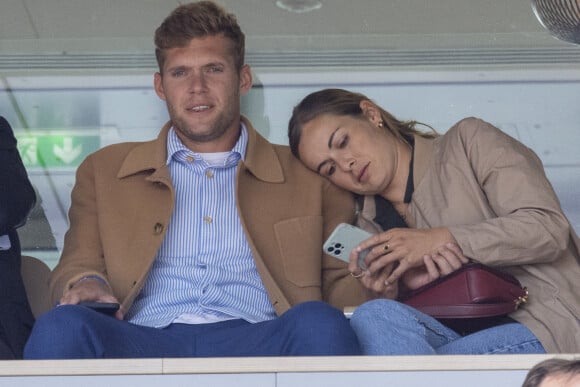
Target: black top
(386, 215)
(17, 198)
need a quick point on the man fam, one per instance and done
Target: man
(17, 198)
(209, 236)
(554, 373)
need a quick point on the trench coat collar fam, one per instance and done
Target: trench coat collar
(422, 156)
(260, 159)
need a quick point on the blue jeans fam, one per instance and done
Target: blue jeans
(74, 332)
(387, 327)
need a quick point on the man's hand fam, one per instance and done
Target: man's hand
(90, 289)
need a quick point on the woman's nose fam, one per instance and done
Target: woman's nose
(350, 164)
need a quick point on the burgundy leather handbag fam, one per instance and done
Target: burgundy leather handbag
(473, 291)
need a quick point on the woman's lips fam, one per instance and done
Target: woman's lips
(362, 173)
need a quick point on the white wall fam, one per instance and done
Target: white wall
(538, 107)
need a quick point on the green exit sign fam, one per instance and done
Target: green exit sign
(56, 149)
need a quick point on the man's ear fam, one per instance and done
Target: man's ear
(371, 111)
(158, 85)
(245, 79)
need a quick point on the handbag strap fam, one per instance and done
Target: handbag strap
(469, 310)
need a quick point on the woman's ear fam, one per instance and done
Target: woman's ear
(371, 111)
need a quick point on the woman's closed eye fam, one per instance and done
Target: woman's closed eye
(328, 169)
(343, 142)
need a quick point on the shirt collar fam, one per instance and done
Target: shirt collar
(176, 150)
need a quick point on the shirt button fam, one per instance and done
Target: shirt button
(207, 219)
(209, 174)
(158, 228)
(189, 159)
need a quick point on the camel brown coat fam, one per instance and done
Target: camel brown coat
(122, 203)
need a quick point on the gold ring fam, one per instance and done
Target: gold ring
(386, 247)
(357, 275)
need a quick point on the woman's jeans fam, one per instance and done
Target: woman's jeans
(387, 327)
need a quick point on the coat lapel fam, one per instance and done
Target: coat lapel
(261, 163)
(149, 156)
(261, 159)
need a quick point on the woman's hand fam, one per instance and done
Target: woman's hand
(446, 260)
(376, 285)
(401, 248)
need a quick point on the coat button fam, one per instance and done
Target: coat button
(158, 228)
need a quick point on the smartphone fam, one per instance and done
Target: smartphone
(343, 240)
(109, 308)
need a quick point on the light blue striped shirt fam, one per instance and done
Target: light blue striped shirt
(204, 270)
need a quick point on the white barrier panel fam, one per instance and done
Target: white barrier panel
(368, 371)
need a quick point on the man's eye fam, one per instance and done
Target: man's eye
(178, 73)
(215, 69)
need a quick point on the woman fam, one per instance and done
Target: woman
(473, 192)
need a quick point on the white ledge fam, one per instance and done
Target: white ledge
(244, 365)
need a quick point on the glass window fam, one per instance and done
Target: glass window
(73, 82)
